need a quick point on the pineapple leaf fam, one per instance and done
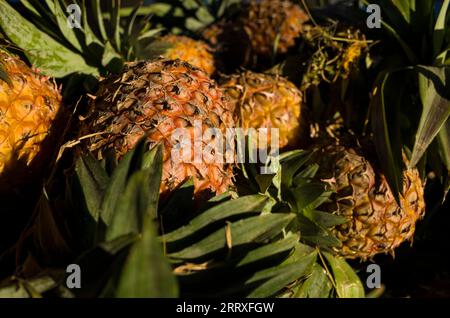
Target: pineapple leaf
(436, 108)
(252, 230)
(118, 183)
(138, 200)
(309, 196)
(45, 53)
(281, 276)
(440, 26)
(115, 22)
(146, 271)
(130, 208)
(242, 205)
(316, 235)
(385, 100)
(98, 18)
(291, 164)
(32, 8)
(305, 175)
(93, 180)
(90, 37)
(317, 285)
(269, 250)
(325, 219)
(61, 19)
(444, 143)
(348, 284)
(111, 59)
(100, 261)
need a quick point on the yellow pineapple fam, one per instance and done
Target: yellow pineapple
(375, 222)
(266, 101)
(273, 24)
(29, 104)
(195, 52)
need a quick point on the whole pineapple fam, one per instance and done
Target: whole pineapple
(29, 104)
(375, 222)
(195, 52)
(267, 22)
(154, 98)
(266, 101)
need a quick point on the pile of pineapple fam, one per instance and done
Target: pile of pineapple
(88, 117)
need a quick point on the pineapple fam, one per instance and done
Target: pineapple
(195, 52)
(153, 99)
(261, 29)
(271, 24)
(29, 104)
(376, 223)
(269, 101)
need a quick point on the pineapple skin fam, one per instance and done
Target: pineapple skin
(375, 222)
(267, 101)
(267, 21)
(195, 52)
(29, 106)
(154, 98)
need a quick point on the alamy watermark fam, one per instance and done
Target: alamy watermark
(374, 19)
(211, 145)
(74, 18)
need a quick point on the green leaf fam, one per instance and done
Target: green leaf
(252, 230)
(115, 23)
(386, 99)
(98, 19)
(111, 59)
(291, 164)
(61, 19)
(118, 182)
(242, 205)
(89, 36)
(306, 175)
(403, 7)
(309, 196)
(269, 250)
(440, 27)
(48, 55)
(93, 180)
(317, 285)
(444, 143)
(138, 200)
(29, 6)
(325, 219)
(348, 284)
(316, 235)
(281, 276)
(100, 263)
(436, 108)
(146, 271)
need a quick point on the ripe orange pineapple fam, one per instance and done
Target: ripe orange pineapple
(29, 103)
(155, 98)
